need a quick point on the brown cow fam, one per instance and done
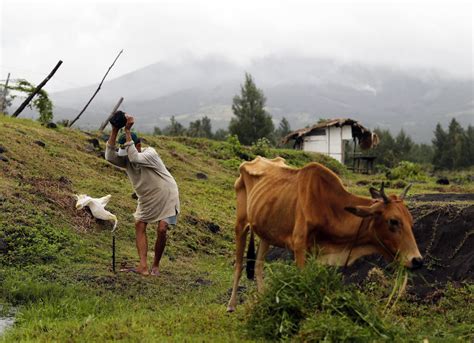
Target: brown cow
(304, 208)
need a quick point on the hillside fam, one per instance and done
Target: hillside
(301, 89)
(51, 253)
(55, 261)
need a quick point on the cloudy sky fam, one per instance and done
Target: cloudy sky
(87, 35)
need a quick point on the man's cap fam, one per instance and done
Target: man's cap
(122, 139)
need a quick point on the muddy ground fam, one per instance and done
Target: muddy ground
(444, 231)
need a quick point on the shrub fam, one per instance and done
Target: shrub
(407, 171)
(314, 304)
(33, 244)
(261, 147)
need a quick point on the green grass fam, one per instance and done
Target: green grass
(56, 271)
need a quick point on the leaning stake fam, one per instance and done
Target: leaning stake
(116, 107)
(37, 89)
(96, 91)
(113, 252)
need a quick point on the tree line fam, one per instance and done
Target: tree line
(250, 123)
(450, 149)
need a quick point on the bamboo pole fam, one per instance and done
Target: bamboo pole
(96, 91)
(36, 90)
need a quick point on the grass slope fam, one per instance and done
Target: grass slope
(55, 261)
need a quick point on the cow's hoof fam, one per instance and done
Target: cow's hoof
(230, 309)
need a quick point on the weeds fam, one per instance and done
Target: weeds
(305, 303)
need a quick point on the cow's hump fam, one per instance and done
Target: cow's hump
(261, 165)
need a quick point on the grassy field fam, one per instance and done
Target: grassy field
(55, 269)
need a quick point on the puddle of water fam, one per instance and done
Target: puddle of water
(5, 323)
(6, 320)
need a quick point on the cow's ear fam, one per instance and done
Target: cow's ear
(375, 193)
(366, 211)
(360, 211)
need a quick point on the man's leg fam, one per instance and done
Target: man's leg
(159, 245)
(142, 247)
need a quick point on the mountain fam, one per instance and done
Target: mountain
(301, 89)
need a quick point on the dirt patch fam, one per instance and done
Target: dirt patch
(205, 224)
(443, 197)
(58, 193)
(445, 237)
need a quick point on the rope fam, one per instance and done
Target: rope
(355, 240)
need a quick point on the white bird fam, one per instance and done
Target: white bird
(97, 207)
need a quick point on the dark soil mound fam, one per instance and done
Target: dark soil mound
(443, 197)
(445, 237)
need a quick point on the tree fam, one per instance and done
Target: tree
(283, 130)
(421, 153)
(200, 128)
(385, 151)
(454, 147)
(194, 129)
(468, 146)
(206, 126)
(221, 135)
(440, 141)
(251, 121)
(157, 131)
(403, 145)
(174, 129)
(41, 102)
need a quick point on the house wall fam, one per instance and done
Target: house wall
(316, 143)
(329, 144)
(335, 143)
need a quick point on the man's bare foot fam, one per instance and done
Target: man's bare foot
(155, 271)
(137, 270)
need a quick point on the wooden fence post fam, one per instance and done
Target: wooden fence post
(4, 97)
(36, 90)
(116, 107)
(96, 91)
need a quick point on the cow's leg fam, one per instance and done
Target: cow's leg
(262, 251)
(299, 243)
(240, 238)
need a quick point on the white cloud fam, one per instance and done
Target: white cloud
(88, 34)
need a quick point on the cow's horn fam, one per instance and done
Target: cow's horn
(405, 191)
(382, 193)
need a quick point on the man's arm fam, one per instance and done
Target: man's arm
(113, 136)
(110, 153)
(128, 128)
(147, 158)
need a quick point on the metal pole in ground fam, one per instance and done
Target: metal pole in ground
(113, 252)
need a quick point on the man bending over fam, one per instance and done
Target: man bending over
(157, 191)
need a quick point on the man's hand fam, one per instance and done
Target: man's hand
(130, 122)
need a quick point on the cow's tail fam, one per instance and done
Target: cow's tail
(250, 267)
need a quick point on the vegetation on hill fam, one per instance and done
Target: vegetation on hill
(451, 149)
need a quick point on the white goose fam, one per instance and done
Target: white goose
(97, 207)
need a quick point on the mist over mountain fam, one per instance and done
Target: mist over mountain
(301, 89)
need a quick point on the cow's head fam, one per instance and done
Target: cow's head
(391, 228)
